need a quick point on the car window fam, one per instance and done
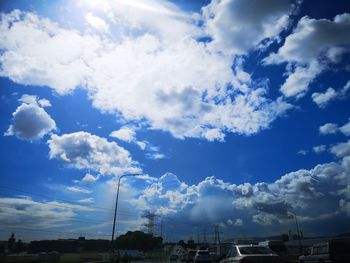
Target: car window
(233, 252)
(278, 248)
(255, 250)
(321, 249)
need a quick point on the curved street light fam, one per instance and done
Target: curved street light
(116, 207)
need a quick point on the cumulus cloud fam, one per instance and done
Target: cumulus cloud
(313, 45)
(328, 128)
(235, 222)
(341, 149)
(89, 179)
(214, 135)
(322, 99)
(30, 120)
(236, 26)
(345, 129)
(82, 150)
(270, 204)
(97, 23)
(155, 72)
(319, 148)
(126, 134)
(333, 128)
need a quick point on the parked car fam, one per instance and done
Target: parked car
(333, 251)
(202, 256)
(276, 246)
(251, 254)
(190, 256)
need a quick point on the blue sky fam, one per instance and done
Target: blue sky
(235, 113)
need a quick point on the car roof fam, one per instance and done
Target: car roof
(249, 245)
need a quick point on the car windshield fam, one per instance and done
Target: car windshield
(278, 248)
(255, 250)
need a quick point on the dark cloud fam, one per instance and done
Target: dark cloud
(30, 122)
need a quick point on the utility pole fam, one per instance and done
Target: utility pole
(161, 227)
(216, 234)
(115, 213)
(298, 232)
(150, 225)
(217, 238)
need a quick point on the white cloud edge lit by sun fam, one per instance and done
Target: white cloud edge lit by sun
(81, 64)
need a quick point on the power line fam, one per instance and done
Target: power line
(53, 231)
(67, 201)
(73, 218)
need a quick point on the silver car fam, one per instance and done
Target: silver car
(202, 256)
(251, 254)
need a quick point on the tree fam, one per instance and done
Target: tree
(138, 240)
(182, 243)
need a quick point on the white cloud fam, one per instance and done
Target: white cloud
(341, 149)
(328, 128)
(125, 133)
(83, 150)
(213, 200)
(313, 45)
(161, 75)
(302, 152)
(128, 134)
(97, 23)
(235, 222)
(78, 189)
(319, 148)
(44, 103)
(88, 200)
(30, 121)
(322, 99)
(332, 128)
(298, 81)
(29, 99)
(237, 26)
(89, 179)
(25, 212)
(214, 134)
(345, 129)
(141, 144)
(155, 155)
(163, 18)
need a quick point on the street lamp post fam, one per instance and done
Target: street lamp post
(299, 234)
(116, 209)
